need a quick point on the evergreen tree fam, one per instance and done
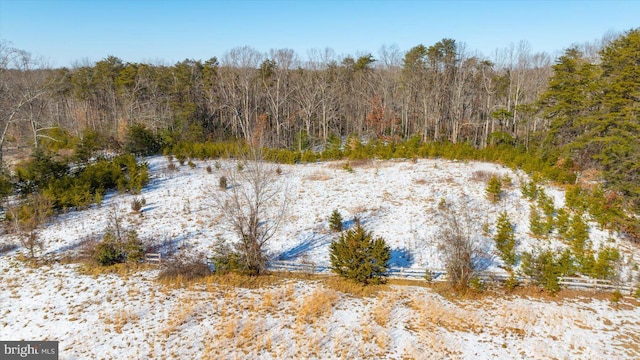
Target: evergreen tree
(494, 189)
(357, 255)
(505, 239)
(578, 236)
(535, 222)
(562, 222)
(335, 221)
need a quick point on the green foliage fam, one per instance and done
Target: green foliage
(530, 190)
(562, 222)
(592, 108)
(544, 267)
(494, 189)
(225, 259)
(35, 174)
(604, 266)
(112, 250)
(545, 202)
(505, 239)
(357, 255)
(141, 141)
(511, 282)
(536, 226)
(85, 184)
(107, 252)
(335, 221)
(578, 236)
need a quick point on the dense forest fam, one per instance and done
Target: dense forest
(579, 113)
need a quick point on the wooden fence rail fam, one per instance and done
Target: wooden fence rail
(153, 258)
(441, 275)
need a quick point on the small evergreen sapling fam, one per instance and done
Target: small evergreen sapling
(335, 221)
(494, 189)
(505, 239)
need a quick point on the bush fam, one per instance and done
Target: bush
(113, 250)
(335, 221)
(222, 183)
(141, 141)
(108, 251)
(358, 256)
(136, 205)
(494, 189)
(209, 169)
(544, 267)
(184, 267)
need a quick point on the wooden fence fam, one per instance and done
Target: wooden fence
(153, 258)
(441, 275)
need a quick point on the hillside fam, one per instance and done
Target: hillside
(110, 316)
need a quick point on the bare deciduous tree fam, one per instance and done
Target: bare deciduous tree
(461, 254)
(254, 205)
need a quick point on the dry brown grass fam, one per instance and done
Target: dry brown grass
(483, 175)
(381, 310)
(119, 319)
(318, 176)
(352, 288)
(433, 314)
(316, 305)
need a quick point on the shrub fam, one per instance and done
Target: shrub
(191, 164)
(171, 166)
(225, 259)
(184, 266)
(141, 141)
(108, 251)
(113, 249)
(335, 221)
(544, 267)
(494, 189)
(505, 239)
(209, 169)
(222, 183)
(136, 205)
(358, 256)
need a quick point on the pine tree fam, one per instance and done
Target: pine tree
(494, 189)
(505, 239)
(358, 256)
(578, 236)
(335, 221)
(535, 222)
(562, 222)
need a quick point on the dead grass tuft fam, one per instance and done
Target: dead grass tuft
(483, 175)
(352, 288)
(316, 305)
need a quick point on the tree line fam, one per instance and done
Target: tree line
(580, 109)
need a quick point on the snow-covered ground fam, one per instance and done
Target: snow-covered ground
(109, 316)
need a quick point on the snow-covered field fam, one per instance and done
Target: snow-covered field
(110, 316)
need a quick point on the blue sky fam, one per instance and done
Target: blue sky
(65, 31)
